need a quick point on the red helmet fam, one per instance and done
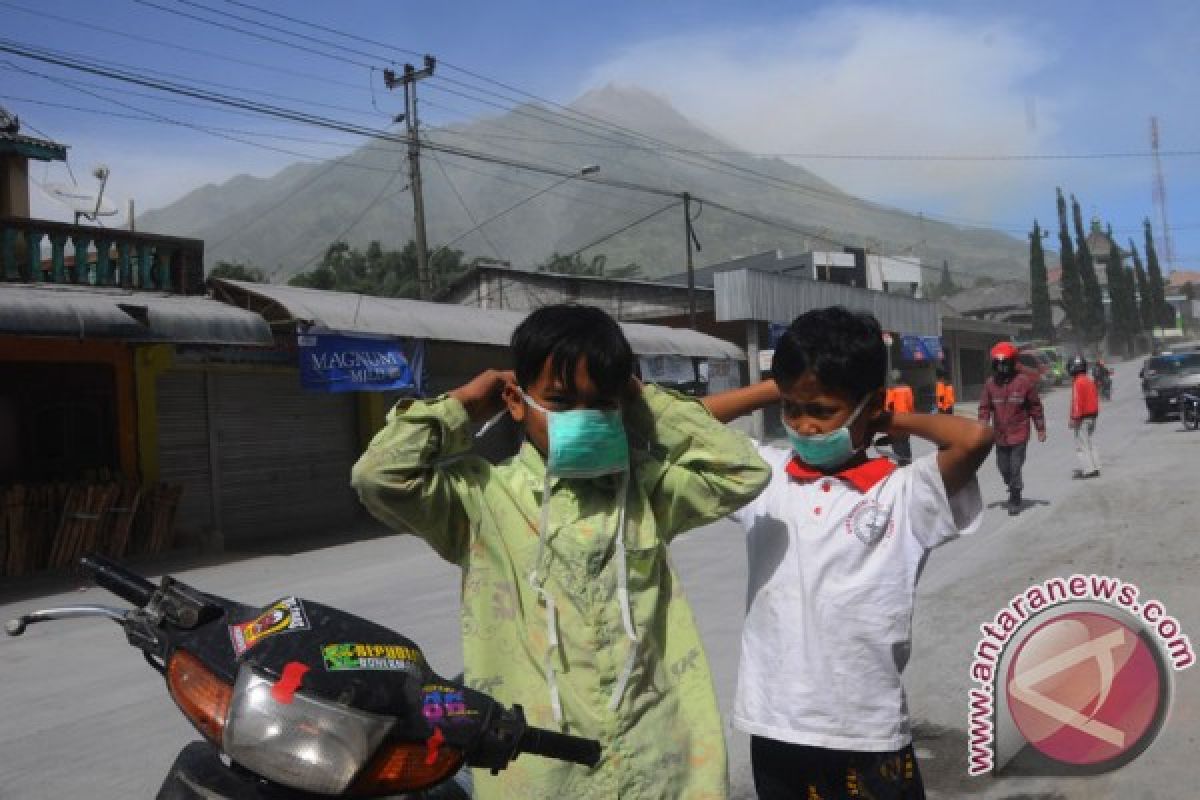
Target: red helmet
(1004, 350)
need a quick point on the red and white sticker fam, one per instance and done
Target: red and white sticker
(283, 616)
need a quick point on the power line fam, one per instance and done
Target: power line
(835, 197)
(624, 228)
(44, 55)
(357, 219)
(175, 46)
(470, 216)
(261, 36)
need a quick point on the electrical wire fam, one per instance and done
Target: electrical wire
(466, 208)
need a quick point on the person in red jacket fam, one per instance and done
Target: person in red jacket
(1085, 408)
(1009, 401)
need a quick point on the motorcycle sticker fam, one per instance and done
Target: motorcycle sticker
(351, 656)
(444, 703)
(282, 617)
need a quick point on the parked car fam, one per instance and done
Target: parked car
(1037, 363)
(1165, 378)
(1057, 367)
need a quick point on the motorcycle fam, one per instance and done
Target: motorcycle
(301, 700)
(1102, 375)
(1189, 410)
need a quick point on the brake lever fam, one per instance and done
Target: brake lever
(16, 627)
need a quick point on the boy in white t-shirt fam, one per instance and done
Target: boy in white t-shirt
(836, 544)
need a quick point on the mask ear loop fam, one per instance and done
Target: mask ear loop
(623, 598)
(536, 582)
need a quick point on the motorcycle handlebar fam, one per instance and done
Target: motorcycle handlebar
(561, 746)
(115, 578)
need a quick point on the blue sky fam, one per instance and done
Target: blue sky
(900, 78)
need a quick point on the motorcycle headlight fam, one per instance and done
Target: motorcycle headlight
(308, 744)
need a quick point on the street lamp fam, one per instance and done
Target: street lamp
(590, 169)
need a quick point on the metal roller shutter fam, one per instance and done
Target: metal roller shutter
(283, 457)
(183, 447)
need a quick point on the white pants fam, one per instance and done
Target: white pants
(1089, 459)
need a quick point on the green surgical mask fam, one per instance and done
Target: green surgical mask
(826, 450)
(584, 443)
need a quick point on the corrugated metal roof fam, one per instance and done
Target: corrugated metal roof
(32, 147)
(751, 295)
(81, 312)
(395, 316)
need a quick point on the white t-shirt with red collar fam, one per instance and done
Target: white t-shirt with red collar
(833, 568)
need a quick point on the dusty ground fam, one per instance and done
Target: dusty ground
(82, 716)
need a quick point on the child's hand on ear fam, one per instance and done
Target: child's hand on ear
(483, 396)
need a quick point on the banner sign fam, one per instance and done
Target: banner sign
(921, 348)
(336, 362)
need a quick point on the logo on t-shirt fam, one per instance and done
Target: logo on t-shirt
(870, 521)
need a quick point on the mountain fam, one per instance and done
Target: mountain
(284, 223)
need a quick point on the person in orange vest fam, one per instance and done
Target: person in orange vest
(944, 393)
(1085, 408)
(899, 400)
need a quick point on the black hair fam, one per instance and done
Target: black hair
(566, 333)
(843, 349)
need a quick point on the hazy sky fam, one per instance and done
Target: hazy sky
(952, 79)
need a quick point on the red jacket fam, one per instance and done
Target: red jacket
(1009, 407)
(1084, 400)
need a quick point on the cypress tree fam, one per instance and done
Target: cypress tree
(1163, 314)
(1093, 298)
(946, 286)
(1043, 322)
(1145, 296)
(1072, 286)
(1120, 298)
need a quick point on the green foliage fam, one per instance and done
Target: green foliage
(1162, 313)
(945, 287)
(384, 273)
(1145, 296)
(1094, 325)
(1039, 288)
(596, 267)
(1072, 284)
(1121, 299)
(236, 271)
(984, 281)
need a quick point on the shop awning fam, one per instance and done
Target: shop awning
(95, 312)
(393, 316)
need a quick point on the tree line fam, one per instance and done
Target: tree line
(1136, 294)
(393, 273)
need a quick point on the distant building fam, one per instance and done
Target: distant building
(853, 267)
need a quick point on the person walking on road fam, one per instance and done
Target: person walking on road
(1009, 401)
(944, 393)
(1085, 408)
(899, 400)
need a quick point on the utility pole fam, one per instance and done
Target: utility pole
(409, 81)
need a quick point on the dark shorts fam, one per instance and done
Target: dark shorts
(785, 771)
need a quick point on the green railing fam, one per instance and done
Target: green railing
(98, 257)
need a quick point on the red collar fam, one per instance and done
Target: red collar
(862, 475)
